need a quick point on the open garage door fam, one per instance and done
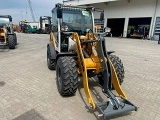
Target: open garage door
(116, 25)
(139, 27)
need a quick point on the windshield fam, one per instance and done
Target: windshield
(80, 21)
(4, 22)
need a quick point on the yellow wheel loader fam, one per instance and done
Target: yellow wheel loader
(7, 35)
(76, 50)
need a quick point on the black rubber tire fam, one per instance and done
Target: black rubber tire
(50, 63)
(11, 42)
(119, 67)
(66, 76)
(158, 41)
(15, 38)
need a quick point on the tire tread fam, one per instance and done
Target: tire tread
(69, 75)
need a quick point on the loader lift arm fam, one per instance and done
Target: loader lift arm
(115, 105)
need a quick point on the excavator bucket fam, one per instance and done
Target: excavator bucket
(117, 104)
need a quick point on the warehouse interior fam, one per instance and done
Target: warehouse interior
(116, 25)
(139, 27)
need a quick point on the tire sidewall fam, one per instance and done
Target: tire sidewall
(119, 67)
(11, 42)
(15, 38)
(49, 64)
(59, 83)
(48, 57)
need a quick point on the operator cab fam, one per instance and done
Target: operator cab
(69, 19)
(79, 21)
(72, 20)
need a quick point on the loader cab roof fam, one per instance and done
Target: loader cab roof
(5, 20)
(6, 16)
(76, 19)
(70, 7)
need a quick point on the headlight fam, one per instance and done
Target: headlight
(64, 28)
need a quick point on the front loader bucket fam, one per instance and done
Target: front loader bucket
(106, 109)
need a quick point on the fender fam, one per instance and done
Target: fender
(110, 52)
(10, 33)
(65, 54)
(53, 52)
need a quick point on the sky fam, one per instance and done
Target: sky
(19, 9)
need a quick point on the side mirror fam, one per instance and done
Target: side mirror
(102, 16)
(10, 19)
(59, 13)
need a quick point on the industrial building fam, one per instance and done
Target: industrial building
(127, 16)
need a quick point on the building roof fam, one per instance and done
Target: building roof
(85, 2)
